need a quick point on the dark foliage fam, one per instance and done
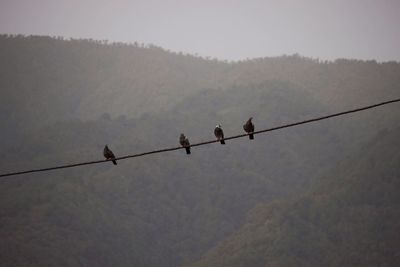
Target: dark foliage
(62, 101)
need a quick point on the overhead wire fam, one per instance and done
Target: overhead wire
(203, 143)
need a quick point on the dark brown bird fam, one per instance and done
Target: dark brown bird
(108, 154)
(219, 133)
(184, 141)
(249, 128)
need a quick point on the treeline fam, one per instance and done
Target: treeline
(62, 100)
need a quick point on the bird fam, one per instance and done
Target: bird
(184, 141)
(219, 133)
(108, 154)
(249, 128)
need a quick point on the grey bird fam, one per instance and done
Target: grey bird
(249, 128)
(184, 141)
(108, 154)
(219, 133)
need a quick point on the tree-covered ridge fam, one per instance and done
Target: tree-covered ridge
(62, 101)
(349, 218)
(86, 78)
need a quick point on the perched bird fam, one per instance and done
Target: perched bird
(184, 141)
(249, 128)
(108, 154)
(219, 133)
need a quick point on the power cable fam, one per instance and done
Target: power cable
(203, 143)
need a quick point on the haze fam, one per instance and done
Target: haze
(232, 30)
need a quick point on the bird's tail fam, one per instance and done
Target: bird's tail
(114, 162)
(251, 136)
(222, 142)
(187, 150)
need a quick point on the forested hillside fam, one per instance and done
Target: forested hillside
(349, 218)
(85, 79)
(63, 100)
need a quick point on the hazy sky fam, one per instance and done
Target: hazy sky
(363, 29)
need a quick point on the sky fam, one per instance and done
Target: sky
(231, 30)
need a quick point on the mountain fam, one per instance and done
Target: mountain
(63, 100)
(45, 80)
(86, 79)
(176, 205)
(349, 218)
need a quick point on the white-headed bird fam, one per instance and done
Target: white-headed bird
(184, 141)
(219, 133)
(249, 128)
(108, 154)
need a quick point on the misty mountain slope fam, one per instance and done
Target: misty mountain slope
(44, 80)
(338, 84)
(62, 101)
(84, 79)
(350, 218)
(169, 208)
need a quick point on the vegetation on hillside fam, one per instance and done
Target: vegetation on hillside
(62, 101)
(349, 218)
